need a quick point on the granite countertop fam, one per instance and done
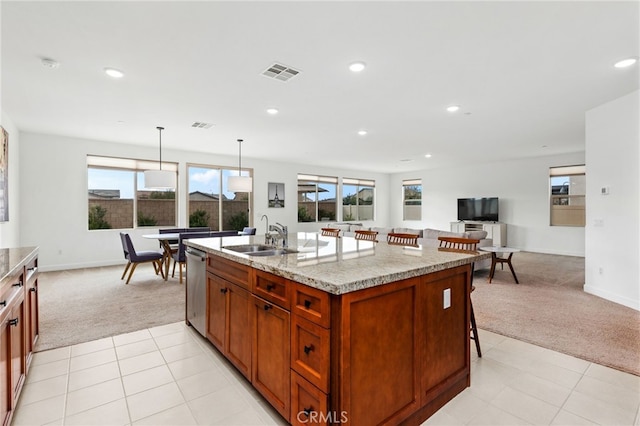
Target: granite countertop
(13, 258)
(340, 265)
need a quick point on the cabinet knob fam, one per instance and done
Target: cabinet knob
(13, 321)
(267, 307)
(3, 303)
(270, 287)
(33, 289)
(307, 303)
(224, 290)
(308, 349)
(307, 411)
(18, 284)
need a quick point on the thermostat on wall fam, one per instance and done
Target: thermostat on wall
(604, 190)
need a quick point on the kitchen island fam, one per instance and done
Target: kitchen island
(342, 330)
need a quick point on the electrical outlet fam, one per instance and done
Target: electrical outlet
(446, 298)
(601, 270)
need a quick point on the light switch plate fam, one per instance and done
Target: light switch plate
(446, 298)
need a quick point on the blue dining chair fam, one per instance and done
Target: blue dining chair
(134, 258)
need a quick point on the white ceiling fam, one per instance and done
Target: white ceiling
(524, 74)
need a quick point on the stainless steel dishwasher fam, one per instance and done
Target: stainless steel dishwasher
(196, 289)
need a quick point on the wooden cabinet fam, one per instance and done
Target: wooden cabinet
(228, 321)
(388, 354)
(31, 307)
(270, 365)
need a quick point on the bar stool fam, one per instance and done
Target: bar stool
(362, 234)
(330, 232)
(395, 238)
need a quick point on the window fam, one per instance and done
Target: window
(317, 198)
(567, 195)
(118, 199)
(412, 199)
(211, 204)
(357, 199)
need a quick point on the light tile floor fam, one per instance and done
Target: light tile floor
(169, 375)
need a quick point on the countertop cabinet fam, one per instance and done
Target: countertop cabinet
(228, 321)
(271, 347)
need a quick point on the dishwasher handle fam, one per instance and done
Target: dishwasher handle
(195, 253)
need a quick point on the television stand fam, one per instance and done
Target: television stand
(497, 231)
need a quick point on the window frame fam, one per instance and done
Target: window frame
(567, 209)
(316, 180)
(360, 184)
(134, 166)
(406, 183)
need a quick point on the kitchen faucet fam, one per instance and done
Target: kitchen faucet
(282, 231)
(267, 237)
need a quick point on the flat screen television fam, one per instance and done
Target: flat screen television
(480, 209)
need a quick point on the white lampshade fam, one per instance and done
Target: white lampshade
(240, 183)
(159, 179)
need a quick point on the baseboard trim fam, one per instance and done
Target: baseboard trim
(613, 297)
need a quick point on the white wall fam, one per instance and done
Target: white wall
(523, 189)
(9, 231)
(612, 230)
(53, 191)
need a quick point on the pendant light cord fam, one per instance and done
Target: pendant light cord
(239, 157)
(160, 129)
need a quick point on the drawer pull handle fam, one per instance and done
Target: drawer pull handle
(13, 321)
(33, 289)
(267, 307)
(18, 284)
(307, 303)
(270, 287)
(3, 303)
(224, 290)
(308, 349)
(33, 268)
(307, 411)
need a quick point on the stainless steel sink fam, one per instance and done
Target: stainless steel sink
(259, 250)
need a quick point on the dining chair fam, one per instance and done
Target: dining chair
(134, 258)
(399, 239)
(465, 245)
(330, 232)
(172, 244)
(362, 234)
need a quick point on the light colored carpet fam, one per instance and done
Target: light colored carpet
(550, 309)
(85, 304)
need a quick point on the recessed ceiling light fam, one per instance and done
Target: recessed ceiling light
(453, 108)
(49, 63)
(625, 63)
(114, 73)
(427, 156)
(362, 132)
(357, 66)
(272, 111)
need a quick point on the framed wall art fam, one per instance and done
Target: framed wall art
(4, 175)
(276, 195)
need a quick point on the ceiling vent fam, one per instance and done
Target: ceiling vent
(280, 72)
(201, 125)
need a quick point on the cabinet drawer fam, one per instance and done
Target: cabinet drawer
(273, 288)
(312, 304)
(229, 270)
(309, 405)
(310, 352)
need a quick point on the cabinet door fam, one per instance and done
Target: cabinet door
(270, 362)
(238, 340)
(217, 289)
(5, 371)
(17, 338)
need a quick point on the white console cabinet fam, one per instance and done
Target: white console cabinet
(495, 230)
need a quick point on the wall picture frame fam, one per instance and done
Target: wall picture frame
(4, 175)
(275, 195)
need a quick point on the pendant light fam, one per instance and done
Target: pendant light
(240, 183)
(159, 179)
